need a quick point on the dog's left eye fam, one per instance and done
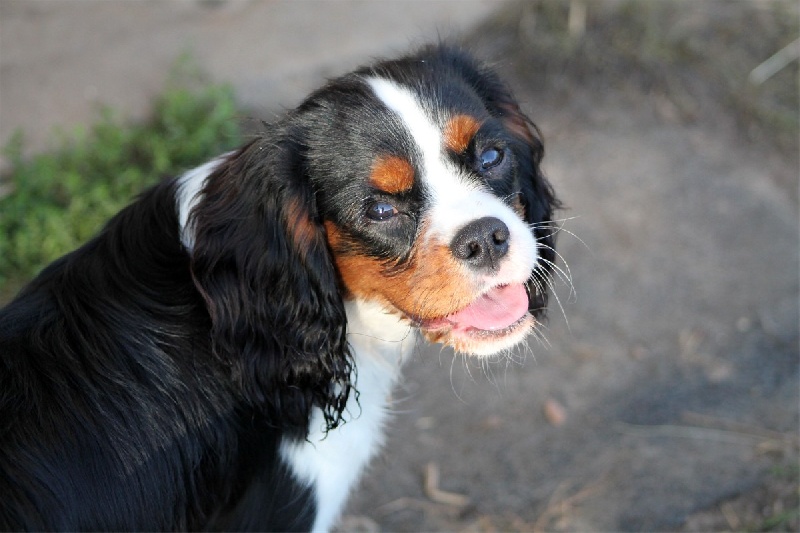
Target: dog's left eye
(490, 158)
(380, 211)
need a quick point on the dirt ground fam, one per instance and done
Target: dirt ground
(665, 395)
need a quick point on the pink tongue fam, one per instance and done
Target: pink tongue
(497, 309)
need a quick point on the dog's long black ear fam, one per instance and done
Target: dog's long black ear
(261, 261)
(537, 194)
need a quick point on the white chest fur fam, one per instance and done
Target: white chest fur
(332, 463)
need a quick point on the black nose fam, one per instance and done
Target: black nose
(481, 243)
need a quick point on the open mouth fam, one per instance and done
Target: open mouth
(496, 313)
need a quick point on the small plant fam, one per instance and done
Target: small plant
(58, 200)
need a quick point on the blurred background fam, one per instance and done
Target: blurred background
(665, 394)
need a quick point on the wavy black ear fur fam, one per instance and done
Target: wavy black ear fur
(537, 194)
(260, 260)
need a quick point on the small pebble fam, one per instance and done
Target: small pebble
(554, 412)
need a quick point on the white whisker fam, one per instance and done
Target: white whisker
(564, 276)
(554, 225)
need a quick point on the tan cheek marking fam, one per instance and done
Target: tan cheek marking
(518, 206)
(459, 131)
(432, 286)
(392, 174)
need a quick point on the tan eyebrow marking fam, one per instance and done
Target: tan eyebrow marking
(392, 174)
(459, 131)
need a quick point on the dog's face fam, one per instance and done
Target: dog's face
(413, 184)
(428, 184)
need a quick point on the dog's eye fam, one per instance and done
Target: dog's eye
(381, 211)
(490, 158)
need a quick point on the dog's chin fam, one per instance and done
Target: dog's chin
(496, 321)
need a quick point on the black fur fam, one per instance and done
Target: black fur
(248, 252)
(113, 412)
(143, 386)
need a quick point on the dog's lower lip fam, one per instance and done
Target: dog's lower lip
(497, 332)
(481, 336)
(499, 309)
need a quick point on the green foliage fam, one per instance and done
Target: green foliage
(58, 200)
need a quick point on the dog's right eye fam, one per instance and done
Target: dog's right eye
(380, 211)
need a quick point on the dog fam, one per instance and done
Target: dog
(221, 355)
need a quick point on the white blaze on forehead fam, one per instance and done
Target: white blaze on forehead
(456, 198)
(442, 178)
(427, 136)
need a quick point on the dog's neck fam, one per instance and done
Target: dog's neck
(332, 462)
(374, 332)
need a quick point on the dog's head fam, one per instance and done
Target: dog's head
(413, 184)
(430, 190)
